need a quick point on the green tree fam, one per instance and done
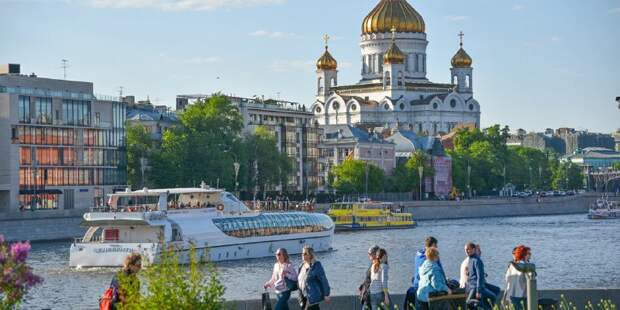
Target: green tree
(171, 285)
(567, 175)
(273, 166)
(350, 177)
(616, 166)
(139, 148)
(406, 176)
(200, 148)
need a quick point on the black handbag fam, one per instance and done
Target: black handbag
(266, 301)
(291, 285)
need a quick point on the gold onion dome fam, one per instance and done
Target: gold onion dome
(461, 59)
(394, 55)
(390, 14)
(326, 62)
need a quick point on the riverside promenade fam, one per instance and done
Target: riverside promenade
(578, 297)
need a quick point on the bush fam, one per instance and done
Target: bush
(16, 277)
(170, 285)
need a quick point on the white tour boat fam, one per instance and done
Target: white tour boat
(604, 209)
(212, 221)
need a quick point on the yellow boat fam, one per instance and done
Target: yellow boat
(369, 215)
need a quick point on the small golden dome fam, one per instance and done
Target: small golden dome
(390, 14)
(326, 62)
(394, 55)
(461, 59)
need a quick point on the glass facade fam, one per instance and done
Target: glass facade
(270, 224)
(59, 145)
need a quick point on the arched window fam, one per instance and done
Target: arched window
(453, 103)
(333, 83)
(454, 80)
(401, 78)
(468, 81)
(387, 78)
(319, 85)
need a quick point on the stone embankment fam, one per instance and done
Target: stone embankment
(578, 297)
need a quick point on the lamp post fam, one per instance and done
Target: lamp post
(530, 169)
(469, 180)
(236, 166)
(366, 180)
(255, 181)
(421, 174)
(539, 176)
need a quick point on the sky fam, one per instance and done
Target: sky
(537, 63)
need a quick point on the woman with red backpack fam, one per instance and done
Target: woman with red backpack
(125, 286)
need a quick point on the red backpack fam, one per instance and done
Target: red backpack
(107, 299)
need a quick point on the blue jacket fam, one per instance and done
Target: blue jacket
(476, 278)
(316, 287)
(420, 258)
(432, 280)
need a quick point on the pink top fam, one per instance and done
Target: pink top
(281, 271)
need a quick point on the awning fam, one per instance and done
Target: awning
(39, 191)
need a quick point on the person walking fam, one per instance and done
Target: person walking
(379, 276)
(313, 285)
(283, 279)
(516, 282)
(363, 289)
(477, 287)
(432, 279)
(125, 284)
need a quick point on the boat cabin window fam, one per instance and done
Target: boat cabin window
(193, 201)
(111, 235)
(137, 203)
(273, 224)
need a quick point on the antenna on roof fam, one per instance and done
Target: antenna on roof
(120, 93)
(64, 67)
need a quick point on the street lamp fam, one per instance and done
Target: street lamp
(530, 168)
(539, 176)
(469, 180)
(421, 173)
(366, 180)
(236, 166)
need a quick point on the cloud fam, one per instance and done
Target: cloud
(615, 11)
(293, 65)
(518, 7)
(271, 34)
(556, 39)
(177, 5)
(457, 18)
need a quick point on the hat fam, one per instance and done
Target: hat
(373, 249)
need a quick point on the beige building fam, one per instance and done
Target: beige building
(64, 147)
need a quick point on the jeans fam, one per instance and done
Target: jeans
(282, 300)
(489, 296)
(519, 303)
(376, 300)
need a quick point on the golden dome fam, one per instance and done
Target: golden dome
(393, 13)
(326, 62)
(461, 59)
(394, 55)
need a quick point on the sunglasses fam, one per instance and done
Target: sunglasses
(278, 254)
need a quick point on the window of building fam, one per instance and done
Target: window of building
(43, 110)
(24, 109)
(453, 103)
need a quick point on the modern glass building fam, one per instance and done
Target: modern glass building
(65, 146)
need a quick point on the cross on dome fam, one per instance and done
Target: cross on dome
(326, 39)
(461, 35)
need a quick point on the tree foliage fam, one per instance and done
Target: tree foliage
(350, 177)
(139, 145)
(567, 175)
(171, 285)
(406, 176)
(272, 167)
(492, 164)
(16, 276)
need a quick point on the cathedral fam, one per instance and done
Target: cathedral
(394, 91)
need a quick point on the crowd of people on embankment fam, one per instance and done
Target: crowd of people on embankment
(429, 280)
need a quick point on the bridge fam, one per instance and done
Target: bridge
(605, 181)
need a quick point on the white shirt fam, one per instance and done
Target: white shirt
(464, 272)
(379, 279)
(516, 283)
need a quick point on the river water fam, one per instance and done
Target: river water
(570, 251)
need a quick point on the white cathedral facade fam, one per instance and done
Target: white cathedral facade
(394, 91)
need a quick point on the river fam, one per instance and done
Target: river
(570, 251)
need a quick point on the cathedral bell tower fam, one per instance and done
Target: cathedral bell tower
(462, 71)
(394, 66)
(327, 73)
